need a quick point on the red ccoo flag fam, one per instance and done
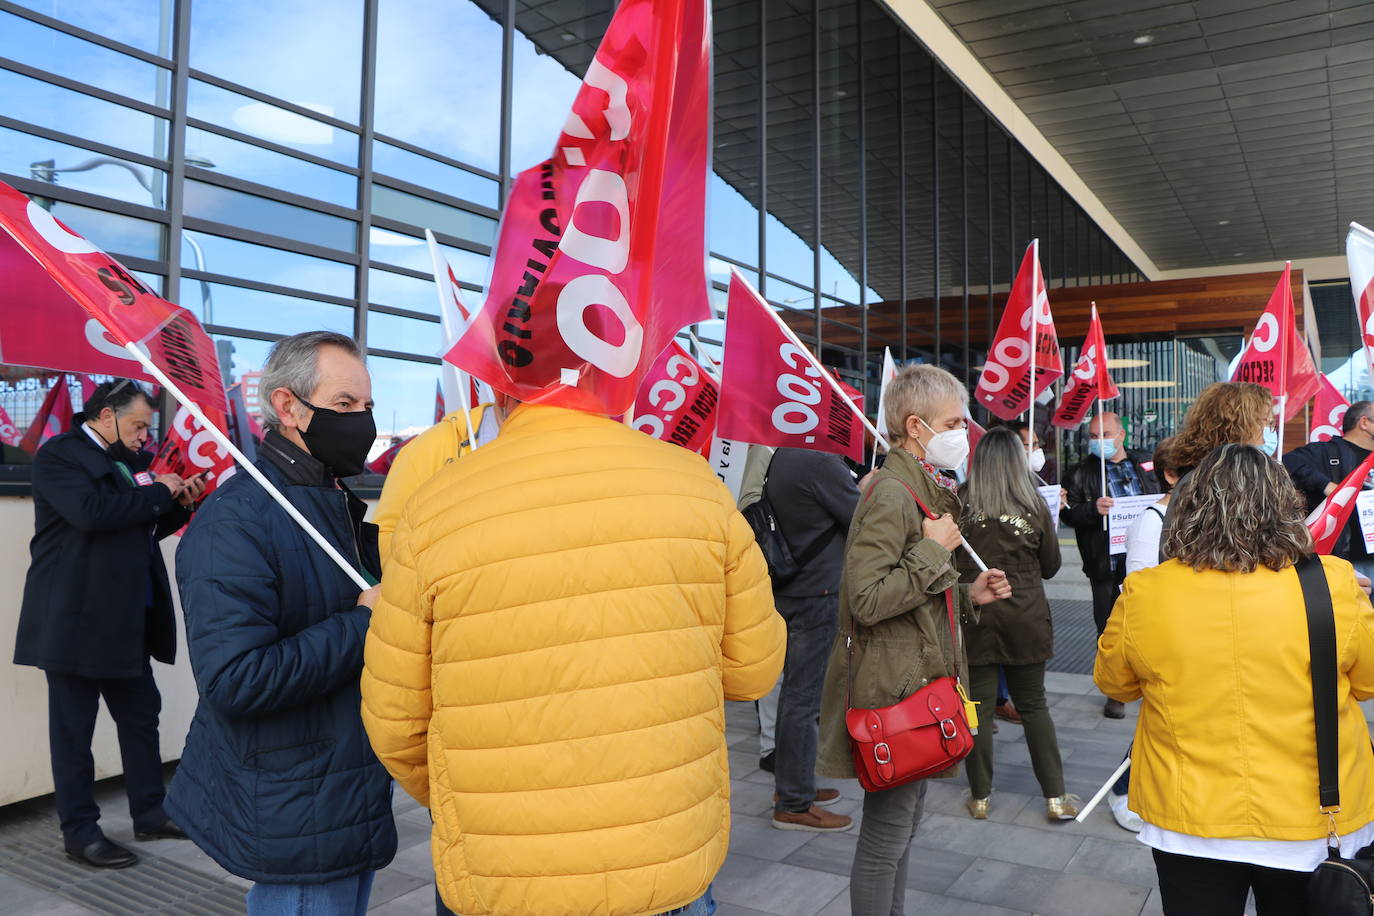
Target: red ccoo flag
(55, 416)
(1091, 380)
(9, 433)
(677, 402)
(1005, 386)
(68, 305)
(1329, 519)
(774, 392)
(601, 256)
(1359, 251)
(1276, 357)
(1328, 411)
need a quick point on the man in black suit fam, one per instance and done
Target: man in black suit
(97, 604)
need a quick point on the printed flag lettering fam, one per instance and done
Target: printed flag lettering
(1276, 356)
(601, 255)
(1091, 380)
(1005, 386)
(677, 402)
(1328, 411)
(773, 391)
(9, 433)
(68, 305)
(189, 449)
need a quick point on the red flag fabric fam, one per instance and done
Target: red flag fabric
(1091, 380)
(439, 412)
(9, 433)
(601, 256)
(383, 462)
(68, 305)
(772, 391)
(677, 402)
(975, 435)
(189, 449)
(1329, 519)
(1328, 410)
(1005, 386)
(1359, 252)
(1277, 357)
(53, 417)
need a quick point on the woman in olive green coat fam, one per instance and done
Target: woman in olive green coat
(1007, 522)
(898, 565)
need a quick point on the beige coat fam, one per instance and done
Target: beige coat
(892, 596)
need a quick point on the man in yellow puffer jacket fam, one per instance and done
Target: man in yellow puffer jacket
(563, 613)
(417, 461)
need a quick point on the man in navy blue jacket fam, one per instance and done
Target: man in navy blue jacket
(278, 782)
(97, 605)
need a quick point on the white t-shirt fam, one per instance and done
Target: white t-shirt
(1142, 539)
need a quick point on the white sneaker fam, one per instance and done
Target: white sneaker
(1127, 818)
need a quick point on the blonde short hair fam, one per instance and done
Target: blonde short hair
(917, 391)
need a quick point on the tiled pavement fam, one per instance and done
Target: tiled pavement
(1015, 863)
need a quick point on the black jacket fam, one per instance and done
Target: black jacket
(814, 496)
(1084, 483)
(1316, 464)
(278, 782)
(96, 601)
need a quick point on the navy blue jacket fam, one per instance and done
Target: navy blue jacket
(278, 782)
(96, 598)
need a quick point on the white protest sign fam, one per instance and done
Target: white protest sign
(1050, 495)
(1364, 504)
(1125, 510)
(727, 461)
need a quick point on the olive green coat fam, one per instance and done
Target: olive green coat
(892, 596)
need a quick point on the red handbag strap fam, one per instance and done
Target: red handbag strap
(949, 604)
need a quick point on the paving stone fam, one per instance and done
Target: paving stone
(1058, 682)
(950, 795)
(1041, 848)
(415, 861)
(776, 888)
(1128, 860)
(730, 909)
(827, 852)
(419, 902)
(391, 883)
(1047, 892)
(757, 837)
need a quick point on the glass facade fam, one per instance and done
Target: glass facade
(272, 166)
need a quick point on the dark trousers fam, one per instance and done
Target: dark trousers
(877, 879)
(1027, 686)
(1105, 592)
(134, 704)
(1208, 887)
(811, 627)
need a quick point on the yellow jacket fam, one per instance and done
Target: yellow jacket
(418, 461)
(1225, 745)
(563, 613)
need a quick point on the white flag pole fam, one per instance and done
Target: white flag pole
(247, 465)
(835, 386)
(1034, 337)
(452, 331)
(1102, 792)
(712, 366)
(1102, 460)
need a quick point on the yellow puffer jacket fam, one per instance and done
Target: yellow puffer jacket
(417, 461)
(563, 613)
(1225, 745)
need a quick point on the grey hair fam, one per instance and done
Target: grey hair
(293, 364)
(999, 480)
(1237, 511)
(917, 391)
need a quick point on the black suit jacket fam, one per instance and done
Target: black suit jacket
(97, 601)
(1084, 483)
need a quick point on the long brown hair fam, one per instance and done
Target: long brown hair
(999, 480)
(1236, 512)
(1225, 412)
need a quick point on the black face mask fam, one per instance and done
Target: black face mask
(340, 440)
(117, 450)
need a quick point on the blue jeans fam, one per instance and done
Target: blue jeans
(704, 905)
(811, 626)
(344, 897)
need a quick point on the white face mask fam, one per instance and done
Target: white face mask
(1037, 460)
(948, 449)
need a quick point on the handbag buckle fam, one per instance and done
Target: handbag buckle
(948, 729)
(882, 753)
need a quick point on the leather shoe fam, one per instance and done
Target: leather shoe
(167, 830)
(1114, 709)
(816, 820)
(1007, 713)
(103, 854)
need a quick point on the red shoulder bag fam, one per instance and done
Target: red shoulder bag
(925, 733)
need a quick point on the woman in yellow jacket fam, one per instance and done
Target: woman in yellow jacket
(1215, 641)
